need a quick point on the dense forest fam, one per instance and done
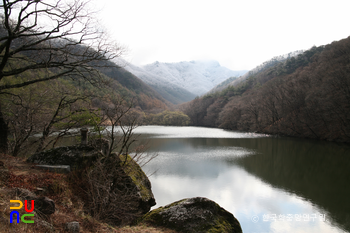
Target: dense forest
(307, 95)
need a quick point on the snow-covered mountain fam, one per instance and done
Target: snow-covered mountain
(168, 90)
(183, 80)
(197, 77)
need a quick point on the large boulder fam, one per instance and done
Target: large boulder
(122, 171)
(119, 191)
(76, 156)
(139, 182)
(193, 215)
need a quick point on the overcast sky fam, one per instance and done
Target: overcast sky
(240, 34)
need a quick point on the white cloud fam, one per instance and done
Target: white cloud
(239, 34)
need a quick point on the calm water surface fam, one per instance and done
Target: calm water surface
(270, 184)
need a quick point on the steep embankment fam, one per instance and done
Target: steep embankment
(304, 96)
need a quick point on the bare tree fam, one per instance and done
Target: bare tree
(109, 196)
(122, 120)
(20, 119)
(57, 38)
(109, 192)
(50, 109)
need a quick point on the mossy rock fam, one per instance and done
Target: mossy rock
(75, 156)
(142, 184)
(193, 215)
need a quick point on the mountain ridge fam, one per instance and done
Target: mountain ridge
(235, 81)
(169, 91)
(187, 74)
(182, 81)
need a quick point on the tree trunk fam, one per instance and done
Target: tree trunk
(3, 133)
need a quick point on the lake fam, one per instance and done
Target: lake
(270, 184)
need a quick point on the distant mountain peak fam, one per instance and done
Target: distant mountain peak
(196, 77)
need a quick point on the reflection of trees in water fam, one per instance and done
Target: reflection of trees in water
(317, 171)
(195, 143)
(189, 157)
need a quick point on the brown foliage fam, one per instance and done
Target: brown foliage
(307, 96)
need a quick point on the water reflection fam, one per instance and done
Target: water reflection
(192, 132)
(193, 157)
(255, 176)
(316, 171)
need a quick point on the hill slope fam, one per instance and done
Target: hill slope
(146, 96)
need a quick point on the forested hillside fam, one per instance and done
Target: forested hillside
(63, 104)
(233, 81)
(305, 96)
(51, 83)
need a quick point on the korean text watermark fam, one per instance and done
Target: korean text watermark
(289, 217)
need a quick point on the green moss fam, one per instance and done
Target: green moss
(174, 204)
(218, 221)
(139, 178)
(221, 225)
(154, 217)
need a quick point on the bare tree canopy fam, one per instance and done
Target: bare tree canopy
(42, 40)
(58, 37)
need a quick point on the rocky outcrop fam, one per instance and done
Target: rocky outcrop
(137, 179)
(75, 156)
(193, 215)
(124, 174)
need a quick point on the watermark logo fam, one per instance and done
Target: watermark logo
(255, 218)
(24, 216)
(289, 217)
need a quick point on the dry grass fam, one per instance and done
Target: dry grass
(69, 208)
(144, 229)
